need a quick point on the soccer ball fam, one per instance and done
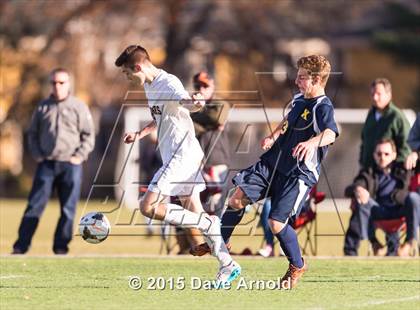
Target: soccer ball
(94, 227)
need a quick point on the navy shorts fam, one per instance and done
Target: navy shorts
(288, 194)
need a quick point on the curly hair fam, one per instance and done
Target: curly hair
(316, 65)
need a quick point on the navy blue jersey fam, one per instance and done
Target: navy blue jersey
(301, 125)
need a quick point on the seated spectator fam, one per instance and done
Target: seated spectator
(384, 120)
(381, 193)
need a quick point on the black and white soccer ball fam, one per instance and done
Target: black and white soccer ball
(94, 227)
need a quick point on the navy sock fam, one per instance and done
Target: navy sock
(230, 219)
(289, 243)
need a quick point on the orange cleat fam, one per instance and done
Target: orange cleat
(292, 276)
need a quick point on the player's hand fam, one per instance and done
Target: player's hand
(198, 100)
(130, 137)
(361, 195)
(411, 160)
(76, 160)
(267, 143)
(304, 150)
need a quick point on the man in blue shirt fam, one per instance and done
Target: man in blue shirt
(291, 165)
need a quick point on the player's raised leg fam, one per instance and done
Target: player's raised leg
(153, 206)
(234, 212)
(212, 235)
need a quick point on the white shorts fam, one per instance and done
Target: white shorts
(178, 178)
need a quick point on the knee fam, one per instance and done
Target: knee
(276, 226)
(146, 208)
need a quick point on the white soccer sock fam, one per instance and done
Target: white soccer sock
(177, 215)
(223, 256)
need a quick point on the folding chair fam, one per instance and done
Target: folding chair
(389, 227)
(392, 226)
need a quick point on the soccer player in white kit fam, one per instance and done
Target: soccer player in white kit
(180, 174)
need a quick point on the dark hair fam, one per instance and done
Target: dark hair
(201, 79)
(132, 55)
(385, 141)
(385, 82)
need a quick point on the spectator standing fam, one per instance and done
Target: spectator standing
(60, 137)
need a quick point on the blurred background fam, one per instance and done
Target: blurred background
(233, 40)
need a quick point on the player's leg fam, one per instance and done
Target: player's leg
(213, 237)
(251, 186)
(187, 237)
(231, 218)
(229, 270)
(153, 206)
(290, 195)
(237, 201)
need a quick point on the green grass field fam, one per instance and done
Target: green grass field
(128, 231)
(97, 276)
(102, 283)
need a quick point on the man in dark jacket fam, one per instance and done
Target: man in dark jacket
(384, 120)
(381, 193)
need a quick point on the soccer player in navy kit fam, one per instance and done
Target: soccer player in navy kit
(291, 165)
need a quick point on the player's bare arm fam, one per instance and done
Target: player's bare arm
(195, 104)
(268, 141)
(131, 137)
(306, 148)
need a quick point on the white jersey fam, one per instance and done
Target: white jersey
(176, 133)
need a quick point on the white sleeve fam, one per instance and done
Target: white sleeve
(178, 89)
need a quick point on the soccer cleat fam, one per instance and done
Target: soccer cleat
(227, 274)
(213, 235)
(292, 276)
